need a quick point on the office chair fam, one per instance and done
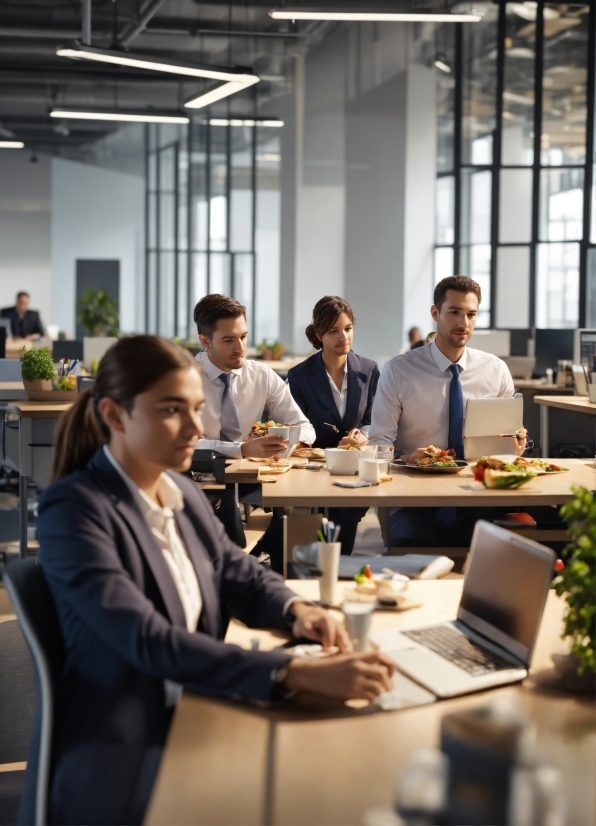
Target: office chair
(34, 607)
(17, 707)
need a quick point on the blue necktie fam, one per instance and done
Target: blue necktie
(230, 426)
(456, 413)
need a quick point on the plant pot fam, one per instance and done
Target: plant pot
(566, 666)
(40, 390)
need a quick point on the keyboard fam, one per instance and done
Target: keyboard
(458, 649)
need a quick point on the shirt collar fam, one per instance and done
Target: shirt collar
(168, 491)
(441, 360)
(211, 370)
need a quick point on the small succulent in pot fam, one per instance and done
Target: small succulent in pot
(37, 365)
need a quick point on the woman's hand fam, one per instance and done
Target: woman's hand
(315, 623)
(344, 676)
(354, 437)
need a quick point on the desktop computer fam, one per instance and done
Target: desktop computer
(584, 348)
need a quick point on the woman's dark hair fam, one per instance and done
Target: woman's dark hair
(325, 314)
(128, 368)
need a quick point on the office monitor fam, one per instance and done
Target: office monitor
(551, 346)
(497, 342)
(584, 348)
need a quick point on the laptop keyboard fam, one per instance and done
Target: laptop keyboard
(458, 649)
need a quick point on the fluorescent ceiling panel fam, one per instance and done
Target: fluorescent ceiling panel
(244, 122)
(385, 16)
(12, 145)
(154, 64)
(218, 92)
(135, 117)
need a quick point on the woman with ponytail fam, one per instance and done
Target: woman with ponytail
(335, 389)
(143, 577)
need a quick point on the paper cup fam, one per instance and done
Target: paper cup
(328, 554)
(284, 432)
(358, 618)
(592, 392)
(371, 470)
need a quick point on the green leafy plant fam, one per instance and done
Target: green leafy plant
(37, 364)
(98, 313)
(271, 351)
(577, 581)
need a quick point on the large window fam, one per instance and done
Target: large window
(213, 212)
(515, 197)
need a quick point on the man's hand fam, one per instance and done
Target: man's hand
(354, 437)
(345, 676)
(419, 453)
(521, 438)
(263, 447)
(315, 623)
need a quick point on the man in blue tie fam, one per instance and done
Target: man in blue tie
(420, 401)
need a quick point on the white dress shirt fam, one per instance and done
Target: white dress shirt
(254, 387)
(411, 406)
(163, 526)
(340, 396)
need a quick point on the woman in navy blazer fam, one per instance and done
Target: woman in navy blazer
(121, 586)
(335, 389)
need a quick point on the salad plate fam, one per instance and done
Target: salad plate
(460, 465)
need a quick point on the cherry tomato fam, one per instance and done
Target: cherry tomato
(559, 565)
(479, 473)
(368, 572)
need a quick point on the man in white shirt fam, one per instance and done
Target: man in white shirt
(237, 391)
(420, 400)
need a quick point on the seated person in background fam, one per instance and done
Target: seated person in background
(415, 338)
(144, 578)
(421, 400)
(238, 390)
(335, 389)
(24, 323)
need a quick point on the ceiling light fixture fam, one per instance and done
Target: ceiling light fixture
(115, 115)
(12, 145)
(78, 51)
(444, 67)
(245, 122)
(216, 93)
(380, 15)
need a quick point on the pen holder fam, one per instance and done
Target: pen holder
(328, 556)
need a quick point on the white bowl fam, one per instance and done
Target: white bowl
(342, 462)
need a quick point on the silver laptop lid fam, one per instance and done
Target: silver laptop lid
(505, 588)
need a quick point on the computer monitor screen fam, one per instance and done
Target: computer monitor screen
(552, 345)
(584, 349)
(505, 589)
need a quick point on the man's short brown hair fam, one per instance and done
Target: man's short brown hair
(459, 283)
(211, 308)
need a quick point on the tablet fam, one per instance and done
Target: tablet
(485, 423)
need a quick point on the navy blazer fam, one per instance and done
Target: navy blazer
(29, 325)
(125, 632)
(310, 388)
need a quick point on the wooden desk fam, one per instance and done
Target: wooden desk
(540, 386)
(281, 366)
(29, 450)
(231, 764)
(575, 404)
(408, 488)
(12, 391)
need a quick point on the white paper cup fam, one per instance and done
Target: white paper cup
(284, 432)
(371, 470)
(358, 618)
(592, 392)
(328, 553)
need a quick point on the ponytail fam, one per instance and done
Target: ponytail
(78, 437)
(129, 367)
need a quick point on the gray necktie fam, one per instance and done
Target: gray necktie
(230, 426)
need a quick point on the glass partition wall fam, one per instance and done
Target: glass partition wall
(212, 221)
(515, 197)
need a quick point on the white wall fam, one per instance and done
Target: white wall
(25, 229)
(96, 213)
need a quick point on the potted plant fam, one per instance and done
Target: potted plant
(37, 371)
(271, 352)
(576, 582)
(98, 313)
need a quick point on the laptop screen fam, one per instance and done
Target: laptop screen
(505, 588)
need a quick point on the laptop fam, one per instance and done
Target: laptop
(492, 640)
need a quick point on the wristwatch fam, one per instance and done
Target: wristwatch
(278, 677)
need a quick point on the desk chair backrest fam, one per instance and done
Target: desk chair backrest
(35, 610)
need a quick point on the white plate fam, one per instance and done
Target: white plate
(507, 457)
(426, 469)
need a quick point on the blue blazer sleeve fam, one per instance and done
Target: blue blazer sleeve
(100, 582)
